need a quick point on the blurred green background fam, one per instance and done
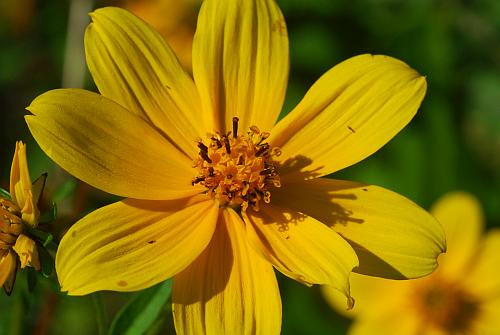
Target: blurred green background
(452, 144)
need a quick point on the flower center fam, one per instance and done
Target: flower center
(10, 223)
(238, 170)
(447, 306)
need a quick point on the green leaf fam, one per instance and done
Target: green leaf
(4, 194)
(140, 313)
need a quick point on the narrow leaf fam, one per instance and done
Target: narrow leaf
(140, 313)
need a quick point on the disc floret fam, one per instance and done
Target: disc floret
(238, 170)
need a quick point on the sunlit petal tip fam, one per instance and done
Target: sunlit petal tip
(349, 113)
(392, 236)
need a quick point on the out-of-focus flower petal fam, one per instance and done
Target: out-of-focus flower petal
(462, 220)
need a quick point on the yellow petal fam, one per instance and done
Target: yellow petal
(7, 265)
(132, 65)
(108, 147)
(389, 321)
(229, 289)
(392, 236)
(487, 321)
(349, 113)
(483, 276)
(369, 292)
(27, 251)
(240, 61)
(462, 220)
(302, 248)
(133, 244)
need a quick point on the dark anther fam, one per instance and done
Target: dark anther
(211, 172)
(263, 148)
(197, 180)
(240, 160)
(204, 155)
(217, 142)
(226, 143)
(266, 171)
(202, 147)
(235, 126)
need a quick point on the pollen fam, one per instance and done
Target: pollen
(238, 170)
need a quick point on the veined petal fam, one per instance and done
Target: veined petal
(241, 61)
(7, 265)
(20, 180)
(302, 248)
(109, 147)
(393, 237)
(462, 219)
(229, 289)
(132, 65)
(133, 244)
(483, 276)
(349, 113)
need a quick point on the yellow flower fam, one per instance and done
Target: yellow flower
(218, 194)
(173, 19)
(15, 213)
(460, 297)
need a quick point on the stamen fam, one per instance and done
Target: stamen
(235, 126)
(239, 171)
(226, 144)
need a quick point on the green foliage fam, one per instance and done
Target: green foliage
(141, 312)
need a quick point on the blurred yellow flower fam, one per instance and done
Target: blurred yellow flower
(15, 213)
(173, 19)
(460, 297)
(219, 193)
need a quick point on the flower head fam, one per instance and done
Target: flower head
(16, 213)
(218, 192)
(460, 297)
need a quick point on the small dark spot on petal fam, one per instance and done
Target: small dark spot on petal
(152, 241)
(366, 190)
(351, 129)
(122, 283)
(73, 233)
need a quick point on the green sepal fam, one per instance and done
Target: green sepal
(46, 262)
(37, 188)
(4, 194)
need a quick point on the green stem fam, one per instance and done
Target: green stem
(101, 314)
